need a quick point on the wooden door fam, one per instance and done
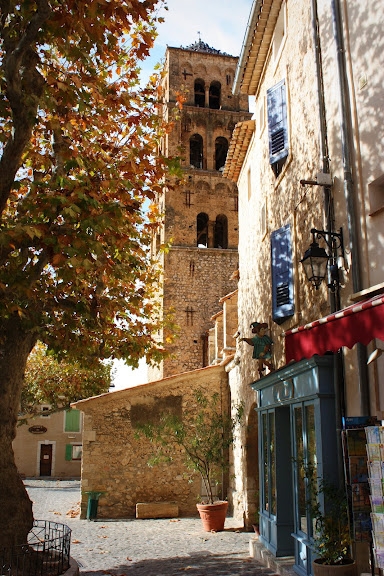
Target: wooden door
(45, 459)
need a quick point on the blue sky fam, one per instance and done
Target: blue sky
(222, 25)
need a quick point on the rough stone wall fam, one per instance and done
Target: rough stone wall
(266, 203)
(115, 461)
(206, 192)
(195, 279)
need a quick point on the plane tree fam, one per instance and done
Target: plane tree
(78, 166)
(56, 384)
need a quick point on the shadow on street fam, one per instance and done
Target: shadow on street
(196, 564)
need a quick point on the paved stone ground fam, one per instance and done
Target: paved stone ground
(143, 547)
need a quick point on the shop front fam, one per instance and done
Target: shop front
(298, 445)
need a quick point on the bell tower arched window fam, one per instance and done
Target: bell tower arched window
(221, 150)
(221, 231)
(202, 230)
(200, 93)
(215, 95)
(196, 151)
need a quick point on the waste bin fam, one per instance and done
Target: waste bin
(93, 502)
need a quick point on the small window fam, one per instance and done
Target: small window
(196, 151)
(221, 231)
(277, 126)
(45, 408)
(215, 95)
(221, 151)
(376, 196)
(261, 116)
(249, 183)
(263, 220)
(200, 93)
(73, 452)
(72, 421)
(279, 33)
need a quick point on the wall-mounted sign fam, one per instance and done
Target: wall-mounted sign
(37, 429)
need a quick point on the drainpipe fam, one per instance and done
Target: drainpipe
(349, 189)
(334, 298)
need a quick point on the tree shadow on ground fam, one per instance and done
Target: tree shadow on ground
(195, 564)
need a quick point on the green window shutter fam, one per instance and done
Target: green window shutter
(72, 421)
(68, 452)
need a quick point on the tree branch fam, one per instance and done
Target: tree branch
(24, 87)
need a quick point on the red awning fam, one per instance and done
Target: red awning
(361, 322)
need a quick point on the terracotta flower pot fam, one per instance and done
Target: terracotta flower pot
(213, 515)
(348, 568)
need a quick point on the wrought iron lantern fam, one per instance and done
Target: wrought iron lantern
(317, 262)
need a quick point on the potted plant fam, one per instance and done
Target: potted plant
(331, 532)
(204, 433)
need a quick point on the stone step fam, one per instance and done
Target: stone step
(282, 566)
(157, 510)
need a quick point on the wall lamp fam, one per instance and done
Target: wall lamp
(317, 262)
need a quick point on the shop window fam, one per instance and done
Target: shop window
(73, 452)
(196, 151)
(277, 126)
(199, 93)
(268, 458)
(221, 151)
(305, 466)
(72, 421)
(221, 231)
(215, 95)
(202, 230)
(283, 305)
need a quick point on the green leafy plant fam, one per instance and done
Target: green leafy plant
(331, 524)
(203, 433)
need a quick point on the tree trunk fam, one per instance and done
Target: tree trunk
(16, 516)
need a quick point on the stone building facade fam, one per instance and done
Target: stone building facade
(311, 157)
(200, 214)
(50, 445)
(115, 459)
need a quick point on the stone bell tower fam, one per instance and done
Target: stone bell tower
(201, 216)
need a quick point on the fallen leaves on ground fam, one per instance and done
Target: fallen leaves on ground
(74, 512)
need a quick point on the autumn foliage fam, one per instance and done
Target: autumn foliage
(78, 166)
(57, 384)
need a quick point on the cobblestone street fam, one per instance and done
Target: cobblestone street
(166, 547)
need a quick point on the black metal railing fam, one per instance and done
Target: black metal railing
(45, 554)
